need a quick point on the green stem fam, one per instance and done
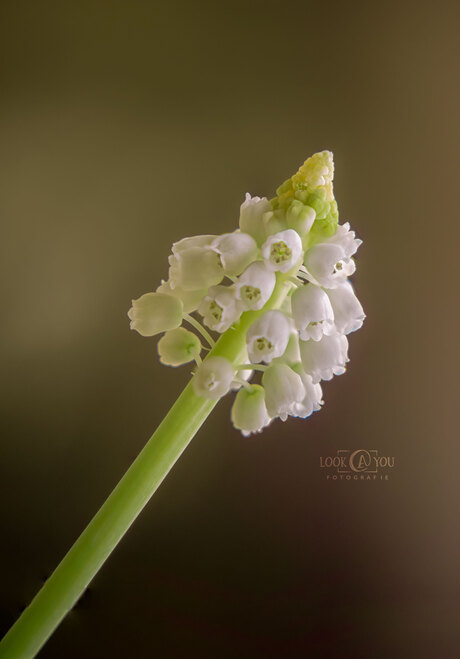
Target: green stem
(85, 558)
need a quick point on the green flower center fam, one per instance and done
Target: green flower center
(251, 293)
(280, 252)
(263, 344)
(216, 311)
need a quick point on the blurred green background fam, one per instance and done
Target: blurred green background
(125, 126)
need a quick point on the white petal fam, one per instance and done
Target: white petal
(312, 312)
(268, 336)
(190, 299)
(251, 216)
(283, 389)
(348, 312)
(213, 378)
(220, 308)
(255, 286)
(236, 251)
(249, 412)
(153, 313)
(283, 250)
(195, 268)
(325, 358)
(178, 346)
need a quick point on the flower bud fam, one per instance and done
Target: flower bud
(283, 389)
(312, 312)
(251, 217)
(348, 312)
(153, 313)
(178, 346)
(220, 308)
(282, 251)
(213, 378)
(268, 336)
(249, 412)
(236, 250)
(325, 358)
(255, 286)
(300, 217)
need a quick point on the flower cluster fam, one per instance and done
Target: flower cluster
(281, 280)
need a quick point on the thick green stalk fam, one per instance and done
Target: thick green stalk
(101, 536)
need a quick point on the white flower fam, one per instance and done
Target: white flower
(312, 312)
(194, 264)
(283, 250)
(213, 378)
(268, 336)
(236, 251)
(300, 217)
(255, 286)
(153, 313)
(190, 299)
(327, 265)
(220, 308)
(325, 358)
(283, 390)
(251, 216)
(312, 400)
(178, 346)
(249, 412)
(346, 239)
(348, 312)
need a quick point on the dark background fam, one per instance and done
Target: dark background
(127, 125)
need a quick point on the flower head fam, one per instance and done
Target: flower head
(267, 312)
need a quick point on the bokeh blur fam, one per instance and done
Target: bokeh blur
(125, 126)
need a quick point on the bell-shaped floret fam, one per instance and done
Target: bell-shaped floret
(178, 346)
(327, 265)
(255, 286)
(237, 250)
(268, 336)
(283, 250)
(345, 238)
(251, 217)
(348, 312)
(154, 313)
(325, 358)
(312, 312)
(213, 378)
(249, 412)
(194, 264)
(220, 308)
(283, 390)
(190, 299)
(312, 400)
